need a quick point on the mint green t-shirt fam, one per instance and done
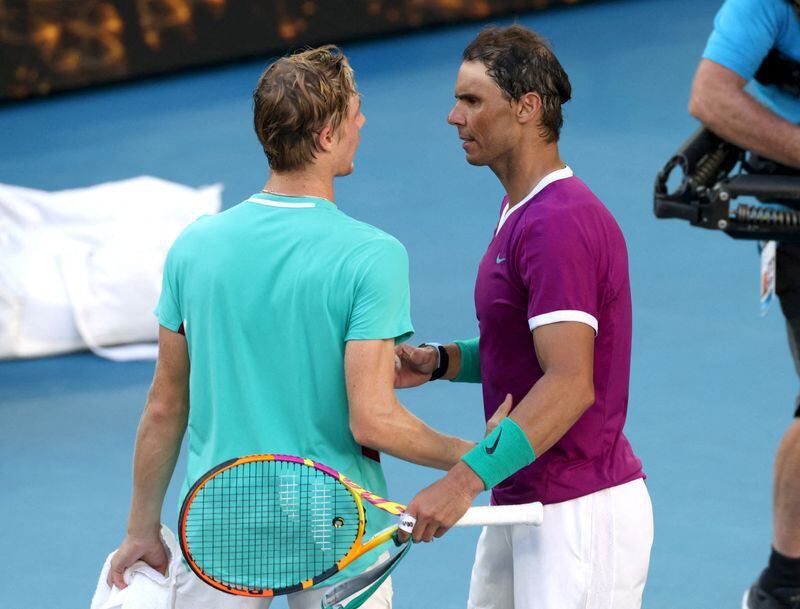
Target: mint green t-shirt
(268, 293)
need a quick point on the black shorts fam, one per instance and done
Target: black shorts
(787, 287)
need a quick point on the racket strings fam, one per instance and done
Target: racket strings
(270, 525)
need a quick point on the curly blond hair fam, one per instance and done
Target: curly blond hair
(298, 96)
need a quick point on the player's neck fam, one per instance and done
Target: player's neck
(522, 170)
(301, 183)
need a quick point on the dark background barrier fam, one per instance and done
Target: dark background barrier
(53, 45)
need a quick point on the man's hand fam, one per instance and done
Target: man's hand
(148, 549)
(438, 507)
(413, 365)
(499, 414)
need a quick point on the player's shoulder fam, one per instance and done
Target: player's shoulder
(234, 219)
(782, 8)
(746, 14)
(371, 252)
(192, 235)
(566, 201)
(569, 216)
(371, 239)
(212, 235)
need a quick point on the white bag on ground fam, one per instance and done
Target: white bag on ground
(82, 268)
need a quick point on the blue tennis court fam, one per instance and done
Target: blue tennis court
(712, 385)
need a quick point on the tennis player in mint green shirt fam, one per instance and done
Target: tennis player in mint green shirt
(268, 294)
(278, 321)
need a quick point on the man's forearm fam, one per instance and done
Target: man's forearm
(399, 433)
(721, 104)
(379, 421)
(748, 124)
(468, 357)
(551, 407)
(158, 443)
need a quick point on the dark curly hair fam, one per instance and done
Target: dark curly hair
(520, 62)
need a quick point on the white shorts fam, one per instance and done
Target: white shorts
(590, 553)
(193, 593)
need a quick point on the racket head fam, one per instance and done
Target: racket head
(266, 525)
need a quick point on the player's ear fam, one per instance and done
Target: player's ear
(325, 139)
(529, 107)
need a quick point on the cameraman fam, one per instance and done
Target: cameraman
(747, 91)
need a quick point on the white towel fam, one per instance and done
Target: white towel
(147, 588)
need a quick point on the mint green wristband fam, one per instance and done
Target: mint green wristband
(470, 371)
(503, 452)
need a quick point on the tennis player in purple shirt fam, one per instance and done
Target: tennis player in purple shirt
(553, 302)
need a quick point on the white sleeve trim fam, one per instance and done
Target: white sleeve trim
(557, 316)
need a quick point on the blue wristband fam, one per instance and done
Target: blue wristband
(500, 454)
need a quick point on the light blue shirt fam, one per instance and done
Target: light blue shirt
(745, 31)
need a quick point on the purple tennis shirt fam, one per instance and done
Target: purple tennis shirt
(559, 256)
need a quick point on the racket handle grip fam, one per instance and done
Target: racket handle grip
(499, 515)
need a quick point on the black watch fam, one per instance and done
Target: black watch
(443, 361)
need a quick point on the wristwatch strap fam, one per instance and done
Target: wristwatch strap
(442, 363)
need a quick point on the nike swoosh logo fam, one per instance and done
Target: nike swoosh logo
(498, 260)
(490, 449)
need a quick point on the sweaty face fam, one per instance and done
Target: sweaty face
(483, 116)
(348, 137)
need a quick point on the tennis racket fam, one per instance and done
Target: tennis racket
(266, 525)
